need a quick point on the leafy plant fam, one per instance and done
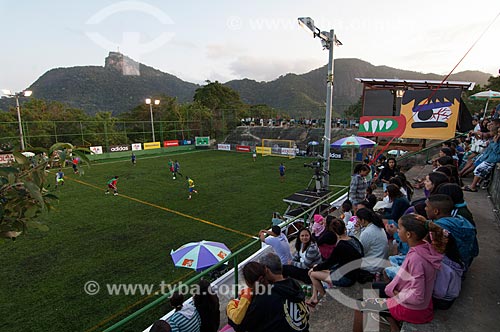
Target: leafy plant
(23, 194)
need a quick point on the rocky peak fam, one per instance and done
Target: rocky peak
(122, 63)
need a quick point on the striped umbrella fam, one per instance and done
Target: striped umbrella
(486, 95)
(199, 255)
(353, 142)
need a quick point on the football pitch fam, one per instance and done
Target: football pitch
(127, 239)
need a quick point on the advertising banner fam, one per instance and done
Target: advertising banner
(202, 141)
(136, 146)
(96, 149)
(166, 144)
(263, 149)
(288, 151)
(224, 147)
(151, 145)
(119, 148)
(336, 155)
(242, 148)
(6, 158)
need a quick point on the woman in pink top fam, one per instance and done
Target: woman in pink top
(410, 292)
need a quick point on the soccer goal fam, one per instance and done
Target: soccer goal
(277, 147)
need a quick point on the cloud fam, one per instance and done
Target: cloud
(183, 44)
(266, 69)
(217, 76)
(221, 51)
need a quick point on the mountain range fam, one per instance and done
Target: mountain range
(122, 84)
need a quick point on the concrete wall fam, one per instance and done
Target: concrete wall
(494, 190)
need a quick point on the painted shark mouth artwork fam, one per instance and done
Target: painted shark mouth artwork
(382, 126)
(431, 115)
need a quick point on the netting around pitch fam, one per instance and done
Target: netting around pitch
(277, 147)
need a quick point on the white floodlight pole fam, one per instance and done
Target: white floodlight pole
(18, 108)
(328, 112)
(25, 93)
(149, 101)
(328, 40)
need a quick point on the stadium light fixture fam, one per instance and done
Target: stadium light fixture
(24, 93)
(150, 102)
(328, 41)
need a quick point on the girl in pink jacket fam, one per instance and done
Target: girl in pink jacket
(410, 292)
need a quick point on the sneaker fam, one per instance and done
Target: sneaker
(106, 192)
(376, 317)
(115, 194)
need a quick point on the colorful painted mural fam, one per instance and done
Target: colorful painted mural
(425, 114)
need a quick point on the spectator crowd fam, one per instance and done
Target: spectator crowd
(414, 252)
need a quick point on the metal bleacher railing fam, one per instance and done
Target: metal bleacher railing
(234, 258)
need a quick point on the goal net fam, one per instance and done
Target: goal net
(277, 147)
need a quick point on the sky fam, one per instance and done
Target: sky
(260, 39)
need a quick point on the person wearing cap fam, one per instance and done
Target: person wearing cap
(278, 241)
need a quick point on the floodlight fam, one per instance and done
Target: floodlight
(148, 101)
(27, 93)
(307, 22)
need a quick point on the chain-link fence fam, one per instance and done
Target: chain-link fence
(104, 132)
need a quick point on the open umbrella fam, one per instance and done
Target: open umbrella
(313, 144)
(353, 142)
(485, 95)
(199, 255)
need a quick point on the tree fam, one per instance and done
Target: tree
(261, 111)
(23, 194)
(494, 83)
(224, 103)
(47, 122)
(355, 110)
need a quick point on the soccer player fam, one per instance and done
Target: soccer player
(74, 163)
(112, 185)
(177, 167)
(59, 178)
(171, 168)
(133, 158)
(282, 172)
(191, 187)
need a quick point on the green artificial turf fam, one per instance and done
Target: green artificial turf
(127, 238)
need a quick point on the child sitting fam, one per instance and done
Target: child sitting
(254, 274)
(346, 211)
(439, 208)
(410, 292)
